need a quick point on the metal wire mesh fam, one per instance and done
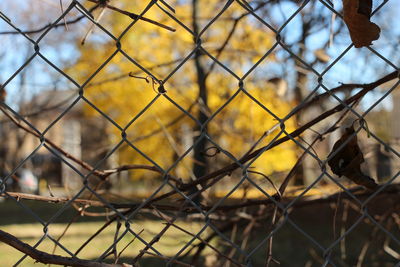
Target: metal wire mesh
(217, 231)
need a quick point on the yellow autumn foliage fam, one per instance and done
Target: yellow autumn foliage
(157, 131)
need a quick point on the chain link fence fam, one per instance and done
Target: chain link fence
(221, 213)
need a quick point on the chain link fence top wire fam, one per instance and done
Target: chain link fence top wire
(199, 133)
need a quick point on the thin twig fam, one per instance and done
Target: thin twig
(130, 242)
(202, 241)
(93, 203)
(269, 180)
(134, 16)
(44, 28)
(62, 11)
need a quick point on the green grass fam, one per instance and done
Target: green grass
(30, 232)
(78, 233)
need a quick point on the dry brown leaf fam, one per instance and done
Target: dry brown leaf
(357, 15)
(347, 161)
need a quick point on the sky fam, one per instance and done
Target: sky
(358, 65)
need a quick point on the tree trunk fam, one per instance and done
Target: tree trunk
(200, 161)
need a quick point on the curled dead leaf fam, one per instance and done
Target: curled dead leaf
(347, 161)
(357, 15)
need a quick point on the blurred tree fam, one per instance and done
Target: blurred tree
(200, 86)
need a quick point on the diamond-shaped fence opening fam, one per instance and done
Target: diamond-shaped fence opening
(199, 133)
